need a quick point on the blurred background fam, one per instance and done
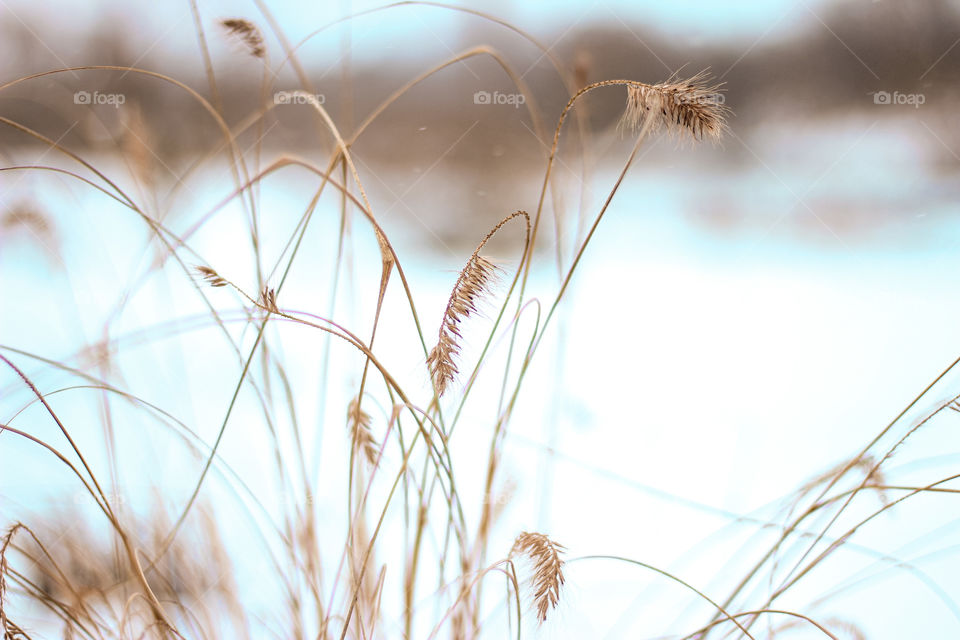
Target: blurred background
(749, 314)
(817, 88)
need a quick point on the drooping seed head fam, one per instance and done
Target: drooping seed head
(248, 33)
(691, 108)
(547, 569)
(472, 285)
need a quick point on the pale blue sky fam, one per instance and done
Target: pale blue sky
(167, 27)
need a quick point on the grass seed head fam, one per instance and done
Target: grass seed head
(690, 108)
(268, 300)
(359, 422)
(248, 33)
(547, 569)
(210, 276)
(473, 285)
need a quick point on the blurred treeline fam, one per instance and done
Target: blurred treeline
(811, 71)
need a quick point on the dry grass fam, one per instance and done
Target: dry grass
(407, 550)
(692, 108)
(359, 423)
(75, 573)
(472, 285)
(248, 34)
(268, 300)
(547, 569)
(210, 276)
(31, 223)
(26, 217)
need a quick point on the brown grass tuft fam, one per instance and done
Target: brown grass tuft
(78, 576)
(875, 477)
(5, 623)
(359, 422)
(27, 217)
(211, 277)
(547, 569)
(474, 283)
(248, 33)
(268, 300)
(692, 107)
